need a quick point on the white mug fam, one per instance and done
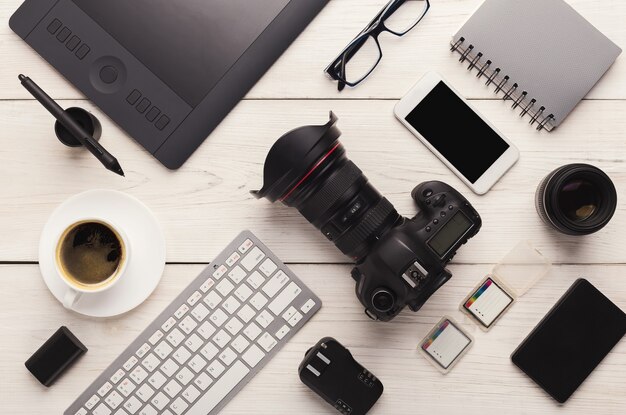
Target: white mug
(76, 290)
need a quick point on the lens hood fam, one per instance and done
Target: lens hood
(292, 156)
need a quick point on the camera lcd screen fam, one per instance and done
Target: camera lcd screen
(457, 132)
(188, 44)
(449, 233)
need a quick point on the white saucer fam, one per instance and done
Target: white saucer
(145, 264)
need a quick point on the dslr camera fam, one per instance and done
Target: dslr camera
(399, 261)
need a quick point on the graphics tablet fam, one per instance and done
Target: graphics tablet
(573, 338)
(166, 71)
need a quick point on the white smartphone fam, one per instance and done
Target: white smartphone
(456, 133)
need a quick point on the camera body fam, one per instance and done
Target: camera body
(407, 264)
(399, 261)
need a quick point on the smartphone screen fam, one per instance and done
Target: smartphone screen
(457, 132)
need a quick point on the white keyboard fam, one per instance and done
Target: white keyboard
(209, 342)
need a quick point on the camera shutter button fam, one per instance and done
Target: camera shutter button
(440, 200)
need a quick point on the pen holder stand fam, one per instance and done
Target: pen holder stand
(85, 119)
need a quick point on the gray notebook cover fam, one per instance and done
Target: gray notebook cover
(544, 46)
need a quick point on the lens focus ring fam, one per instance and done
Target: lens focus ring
(332, 191)
(367, 227)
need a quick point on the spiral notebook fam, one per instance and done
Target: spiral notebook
(541, 54)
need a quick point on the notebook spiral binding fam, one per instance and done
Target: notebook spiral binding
(510, 89)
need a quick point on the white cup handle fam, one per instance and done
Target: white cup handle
(70, 298)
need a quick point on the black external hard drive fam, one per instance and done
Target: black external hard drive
(330, 371)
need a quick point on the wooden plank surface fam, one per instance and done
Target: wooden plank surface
(206, 203)
(485, 380)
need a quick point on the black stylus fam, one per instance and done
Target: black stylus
(72, 126)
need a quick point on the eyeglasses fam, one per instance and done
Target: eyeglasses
(357, 61)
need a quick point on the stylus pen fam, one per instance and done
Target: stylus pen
(72, 126)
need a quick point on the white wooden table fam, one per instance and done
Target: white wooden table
(206, 203)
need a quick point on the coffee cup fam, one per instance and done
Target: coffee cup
(90, 257)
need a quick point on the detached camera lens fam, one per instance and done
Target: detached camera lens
(382, 300)
(576, 199)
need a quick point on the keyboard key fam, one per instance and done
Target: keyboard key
(105, 389)
(255, 280)
(188, 324)
(157, 380)
(275, 283)
(206, 330)
(184, 376)
(224, 287)
(228, 356)
(191, 394)
(203, 381)
(143, 350)
(237, 274)
(219, 273)
(252, 331)
(92, 402)
(169, 368)
(148, 410)
(295, 319)
(267, 342)
(181, 311)
(207, 285)
(132, 405)
(126, 387)
(291, 311)
(117, 376)
(243, 292)
(194, 298)
(252, 259)
(267, 267)
(240, 344)
(209, 351)
(194, 342)
(197, 363)
(182, 355)
(234, 325)
(213, 299)
(258, 301)
(221, 339)
(247, 244)
(151, 362)
(163, 350)
(160, 401)
(172, 388)
(114, 399)
(219, 390)
(101, 409)
(282, 332)
(200, 312)
(179, 406)
(168, 324)
(215, 369)
(307, 306)
(138, 375)
(81, 411)
(154, 339)
(231, 305)
(285, 298)
(232, 260)
(144, 392)
(264, 319)
(218, 318)
(175, 337)
(253, 356)
(246, 313)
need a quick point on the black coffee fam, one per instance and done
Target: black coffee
(90, 253)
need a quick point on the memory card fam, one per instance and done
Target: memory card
(445, 344)
(488, 302)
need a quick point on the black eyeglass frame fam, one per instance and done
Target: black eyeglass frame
(373, 29)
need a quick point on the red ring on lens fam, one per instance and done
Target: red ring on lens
(319, 162)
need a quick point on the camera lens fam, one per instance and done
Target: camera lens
(383, 300)
(576, 199)
(307, 168)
